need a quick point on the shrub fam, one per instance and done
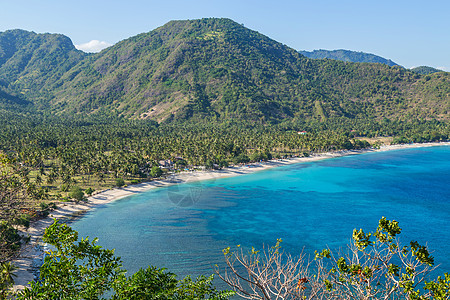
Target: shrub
(64, 188)
(89, 191)
(76, 193)
(80, 269)
(241, 158)
(156, 171)
(119, 182)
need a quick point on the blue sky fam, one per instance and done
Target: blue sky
(411, 33)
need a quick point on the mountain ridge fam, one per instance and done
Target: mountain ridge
(216, 69)
(348, 56)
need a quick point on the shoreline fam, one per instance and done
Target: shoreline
(32, 252)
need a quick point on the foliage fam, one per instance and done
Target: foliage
(18, 201)
(156, 171)
(77, 193)
(376, 266)
(6, 278)
(15, 188)
(119, 182)
(84, 270)
(10, 241)
(241, 159)
(424, 70)
(93, 151)
(153, 283)
(221, 92)
(75, 269)
(89, 191)
(349, 56)
(440, 288)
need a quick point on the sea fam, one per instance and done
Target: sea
(310, 206)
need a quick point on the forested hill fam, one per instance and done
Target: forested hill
(425, 70)
(349, 56)
(31, 64)
(214, 70)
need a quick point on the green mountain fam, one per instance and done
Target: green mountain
(349, 56)
(424, 70)
(215, 70)
(31, 63)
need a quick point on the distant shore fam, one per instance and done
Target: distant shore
(33, 251)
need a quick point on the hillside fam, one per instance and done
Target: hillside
(31, 63)
(349, 56)
(214, 70)
(425, 70)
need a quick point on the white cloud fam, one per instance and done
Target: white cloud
(93, 46)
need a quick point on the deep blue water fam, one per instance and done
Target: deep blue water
(310, 206)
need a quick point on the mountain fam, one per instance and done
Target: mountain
(349, 56)
(31, 63)
(424, 70)
(215, 70)
(210, 66)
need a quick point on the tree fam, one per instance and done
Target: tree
(267, 274)
(376, 266)
(154, 284)
(76, 193)
(6, 278)
(241, 158)
(75, 269)
(119, 182)
(18, 199)
(80, 269)
(209, 164)
(156, 171)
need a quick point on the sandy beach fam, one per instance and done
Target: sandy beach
(32, 252)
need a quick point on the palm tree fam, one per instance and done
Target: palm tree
(6, 278)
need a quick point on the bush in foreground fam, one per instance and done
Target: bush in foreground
(84, 270)
(376, 266)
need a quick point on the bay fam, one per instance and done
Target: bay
(309, 205)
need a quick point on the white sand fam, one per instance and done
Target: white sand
(32, 251)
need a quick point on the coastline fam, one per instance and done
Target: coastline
(32, 252)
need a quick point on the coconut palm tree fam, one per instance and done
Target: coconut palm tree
(6, 278)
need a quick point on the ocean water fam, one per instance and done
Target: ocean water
(309, 205)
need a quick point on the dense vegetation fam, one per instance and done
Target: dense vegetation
(50, 159)
(424, 70)
(212, 70)
(349, 56)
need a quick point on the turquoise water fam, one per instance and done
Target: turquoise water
(310, 206)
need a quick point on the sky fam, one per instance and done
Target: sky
(411, 33)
